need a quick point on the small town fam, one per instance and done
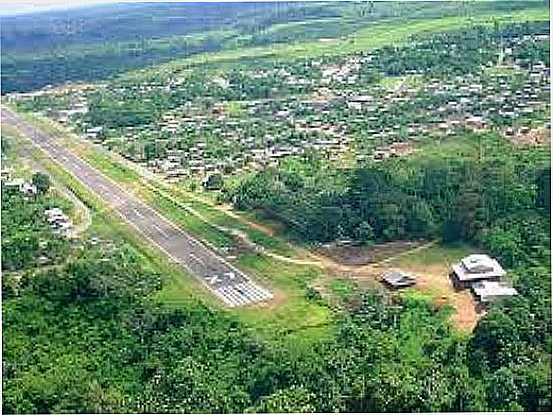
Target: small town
(335, 113)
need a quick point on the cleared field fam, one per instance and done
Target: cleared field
(362, 255)
(378, 35)
(429, 262)
(432, 266)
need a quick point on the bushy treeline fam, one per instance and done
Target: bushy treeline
(458, 196)
(463, 51)
(26, 234)
(86, 338)
(22, 74)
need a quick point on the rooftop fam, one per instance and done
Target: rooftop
(398, 278)
(488, 291)
(478, 263)
(18, 182)
(478, 266)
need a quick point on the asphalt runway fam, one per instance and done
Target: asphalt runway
(228, 283)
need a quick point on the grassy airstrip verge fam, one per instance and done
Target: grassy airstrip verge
(169, 200)
(291, 314)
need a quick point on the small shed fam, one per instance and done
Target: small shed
(398, 279)
(489, 291)
(14, 184)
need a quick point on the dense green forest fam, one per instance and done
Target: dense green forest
(87, 336)
(435, 193)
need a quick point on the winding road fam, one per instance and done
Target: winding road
(228, 283)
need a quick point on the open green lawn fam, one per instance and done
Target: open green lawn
(440, 254)
(293, 312)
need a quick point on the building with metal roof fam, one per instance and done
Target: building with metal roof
(476, 267)
(398, 279)
(489, 291)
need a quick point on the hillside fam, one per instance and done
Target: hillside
(99, 42)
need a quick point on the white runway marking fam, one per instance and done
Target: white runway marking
(161, 231)
(195, 258)
(213, 280)
(137, 212)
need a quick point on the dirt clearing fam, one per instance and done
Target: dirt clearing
(432, 266)
(363, 255)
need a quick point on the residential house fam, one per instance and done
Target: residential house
(476, 267)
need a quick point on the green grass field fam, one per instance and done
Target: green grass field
(436, 254)
(377, 35)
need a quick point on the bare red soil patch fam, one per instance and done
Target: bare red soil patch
(363, 255)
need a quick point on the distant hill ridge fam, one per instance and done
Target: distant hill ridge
(95, 43)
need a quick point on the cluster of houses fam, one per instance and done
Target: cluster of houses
(244, 144)
(467, 102)
(483, 275)
(59, 221)
(474, 102)
(17, 184)
(74, 98)
(342, 113)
